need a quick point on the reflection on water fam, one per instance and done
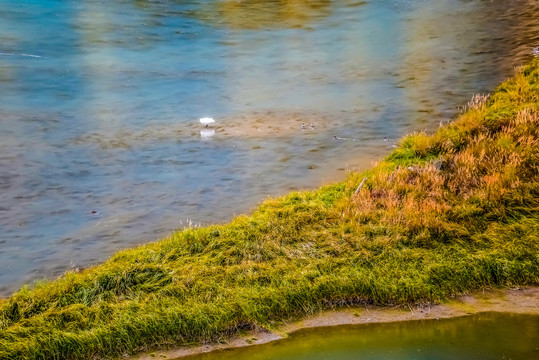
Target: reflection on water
(101, 104)
(482, 336)
(263, 14)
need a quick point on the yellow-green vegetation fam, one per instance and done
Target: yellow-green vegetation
(442, 215)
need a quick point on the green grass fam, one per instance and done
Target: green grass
(465, 217)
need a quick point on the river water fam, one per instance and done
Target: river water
(487, 336)
(100, 144)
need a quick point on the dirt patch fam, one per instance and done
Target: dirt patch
(272, 124)
(245, 125)
(516, 300)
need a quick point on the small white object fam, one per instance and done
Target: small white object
(206, 121)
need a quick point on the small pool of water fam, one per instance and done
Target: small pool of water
(478, 337)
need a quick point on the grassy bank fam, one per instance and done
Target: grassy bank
(442, 215)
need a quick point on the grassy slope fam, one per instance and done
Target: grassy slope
(464, 217)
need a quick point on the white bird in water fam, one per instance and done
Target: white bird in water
(206, 121)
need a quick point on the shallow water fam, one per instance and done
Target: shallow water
(482, 336)
(100, 145)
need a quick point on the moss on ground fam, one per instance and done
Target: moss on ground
(442, 215)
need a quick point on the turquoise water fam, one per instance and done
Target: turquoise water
(100, 145)
(484, 336)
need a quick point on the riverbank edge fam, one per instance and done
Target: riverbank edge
(515, 300)
(314, 250)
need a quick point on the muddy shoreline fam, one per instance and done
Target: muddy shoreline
(514, 300)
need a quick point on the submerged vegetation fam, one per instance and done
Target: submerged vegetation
(440, 216)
